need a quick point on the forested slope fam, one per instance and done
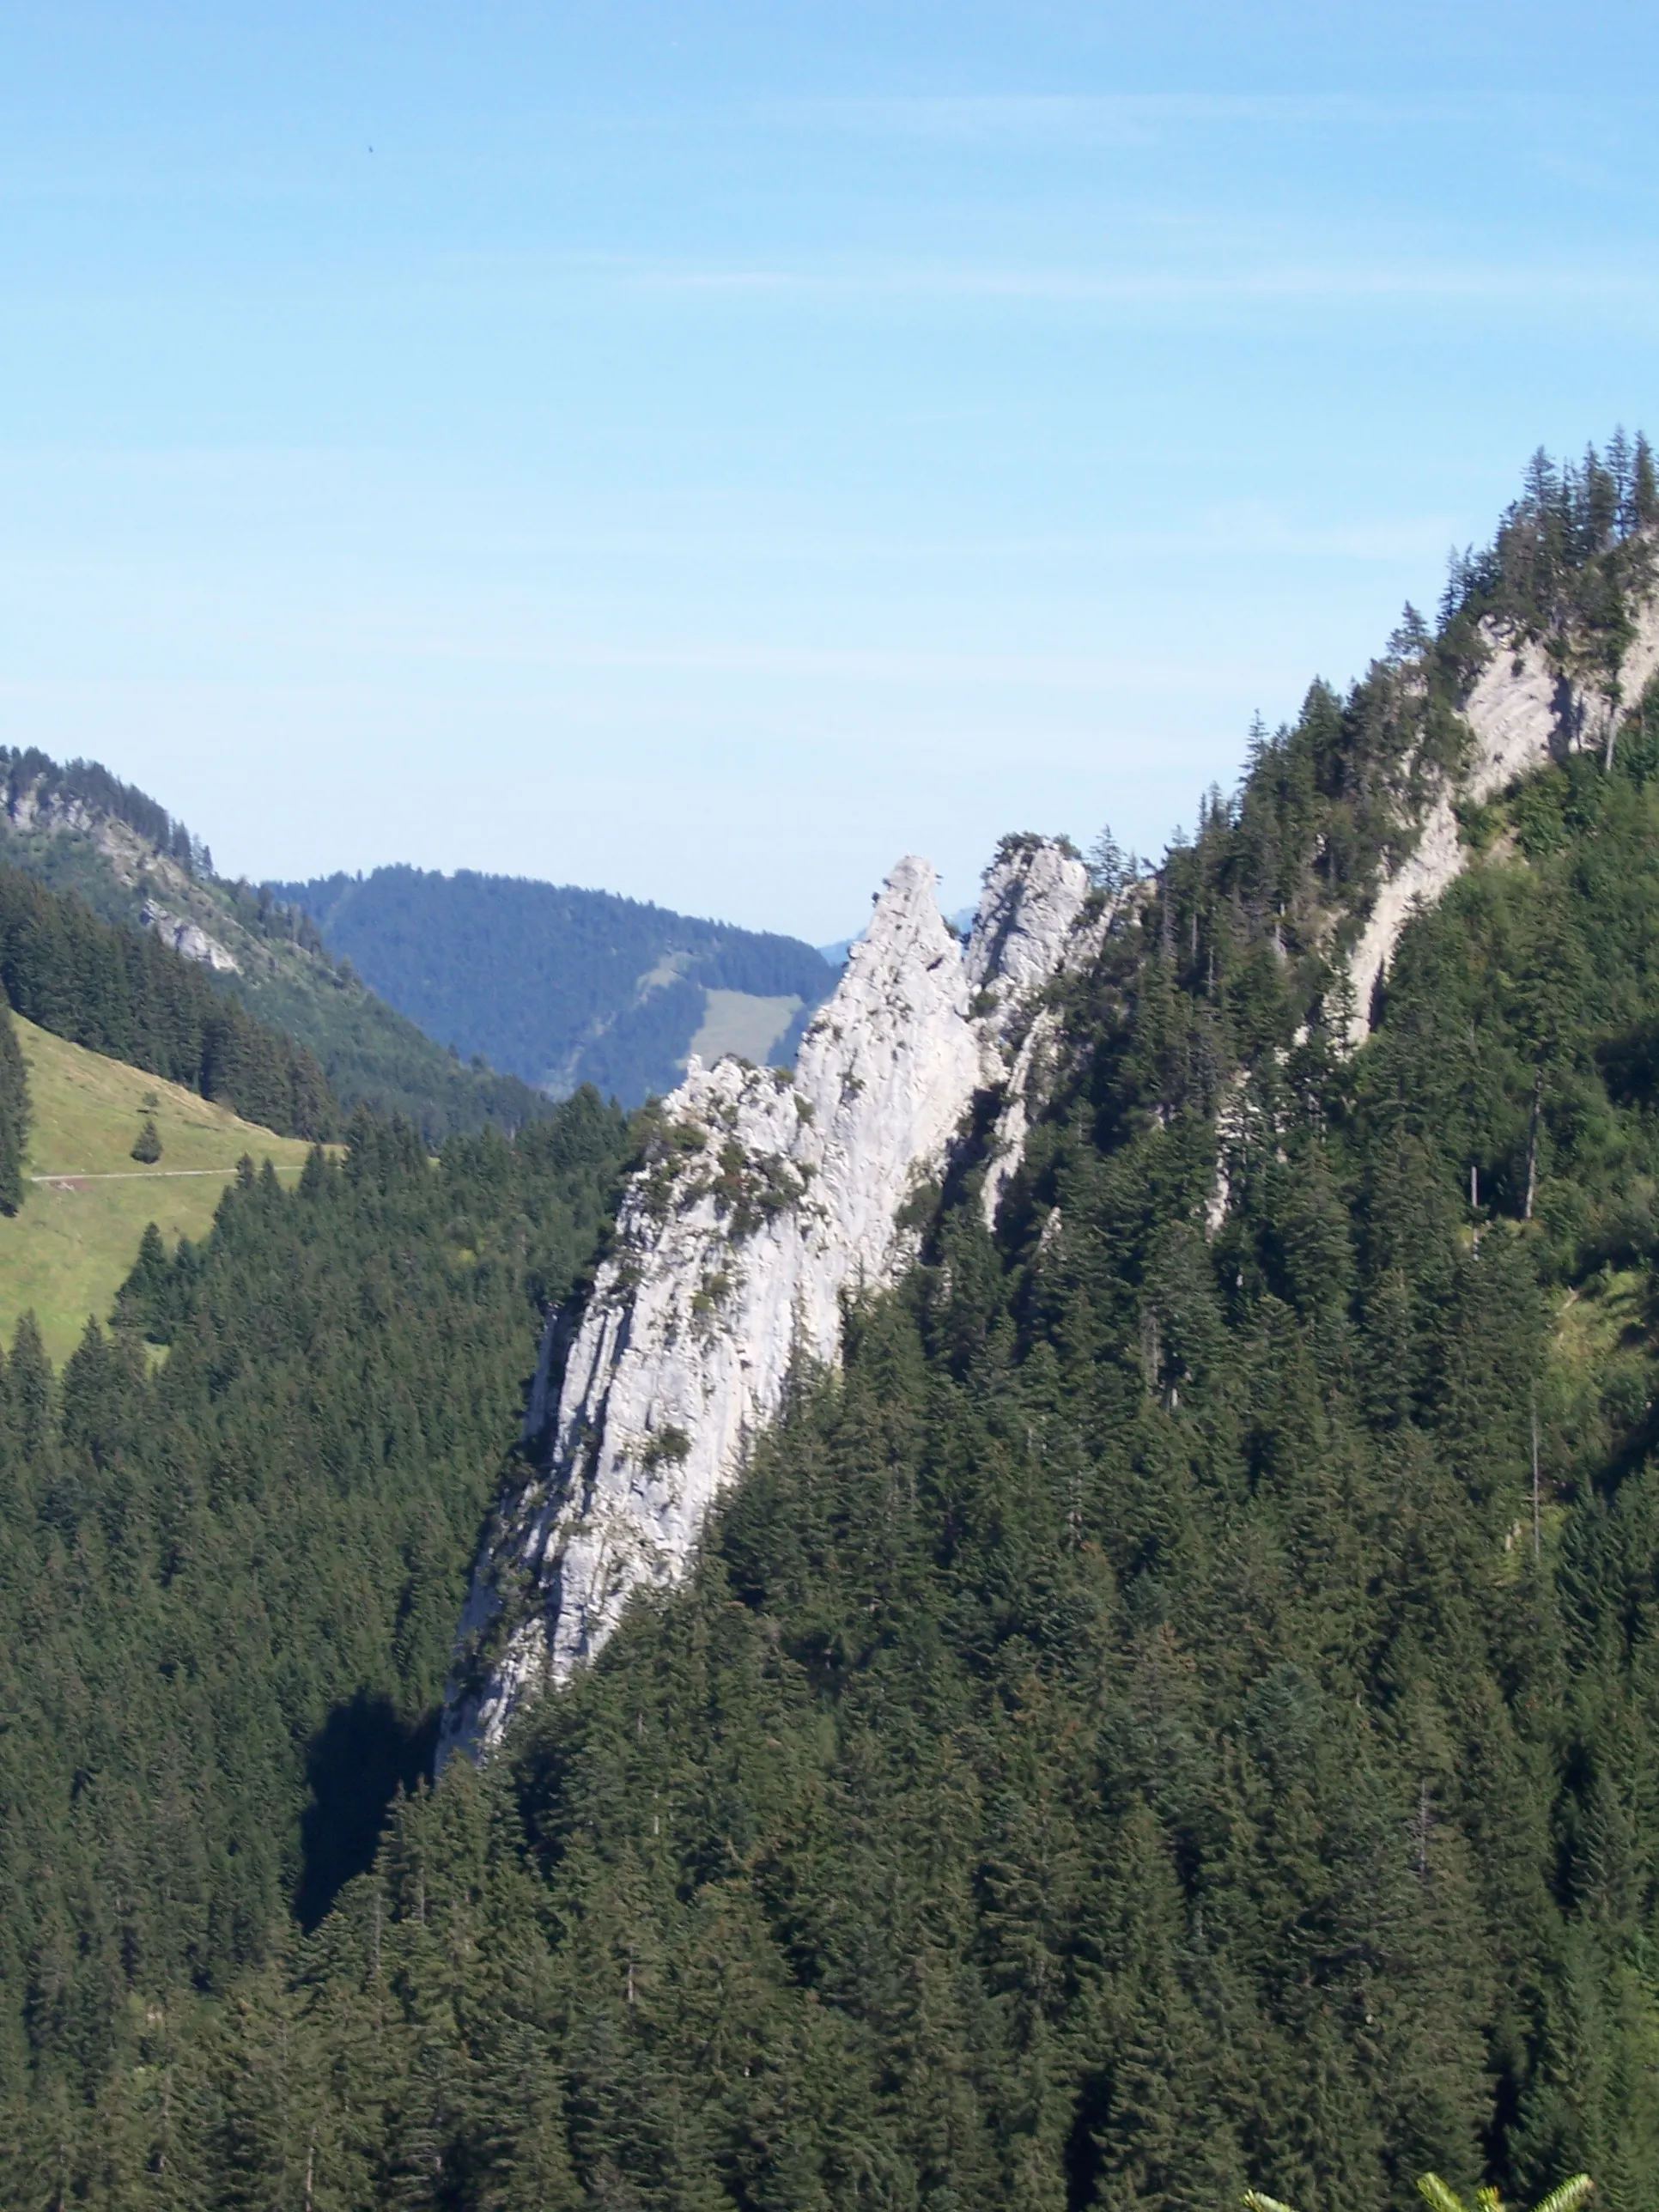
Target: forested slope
(229, 1582)
(119, 992)
(559, 985)
(78, 830)
(1179, 1708)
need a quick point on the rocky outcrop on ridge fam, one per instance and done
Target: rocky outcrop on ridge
(187, 939)
(766, 1200)
(1523, 711)
(135, 861)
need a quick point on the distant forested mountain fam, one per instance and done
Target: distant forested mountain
(560, 986)
(77, 829)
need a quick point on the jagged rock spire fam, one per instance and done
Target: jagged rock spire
(766, 1200)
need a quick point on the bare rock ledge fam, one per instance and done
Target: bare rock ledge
(769, 1199)
(1523, 712)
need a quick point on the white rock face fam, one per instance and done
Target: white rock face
(186, 938)
(1523, 714)
(1421, 876)
(133, 861)
(1031, 1079)
(770, 1199)
(31, 809)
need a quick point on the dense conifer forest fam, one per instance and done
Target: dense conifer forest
(55, 826)
(1178, 1710)
(233, 1546)
(119, 992)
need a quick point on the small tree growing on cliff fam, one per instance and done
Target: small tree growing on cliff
(1567, 2197)
(13, 1114)
(1435, 2193)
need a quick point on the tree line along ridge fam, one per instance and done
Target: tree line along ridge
(1175, 1713)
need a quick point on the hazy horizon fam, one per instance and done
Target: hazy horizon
(705, 453)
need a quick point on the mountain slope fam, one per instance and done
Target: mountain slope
(561, 986)
(228, 1580)
(73, 1243)
(78, 828)
(1348, 825)
(1178, 1658)
(1171, 1702)
(121, 992)
(763, 1202)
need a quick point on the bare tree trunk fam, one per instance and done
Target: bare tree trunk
(1532, 1141)
(1614, 696)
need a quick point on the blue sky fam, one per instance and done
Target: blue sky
(707, 450)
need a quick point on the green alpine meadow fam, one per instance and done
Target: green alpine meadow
(1172, 1710)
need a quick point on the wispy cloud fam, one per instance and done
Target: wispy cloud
(1182, 275)
(1134, 119)
(1336, 281)
(1257, 531)
(1098, 674)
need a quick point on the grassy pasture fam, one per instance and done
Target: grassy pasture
(72, 1246)
(739, 1022)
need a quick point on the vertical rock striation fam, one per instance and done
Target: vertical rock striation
(187, 939)
(765, 1200)
(1522, 711)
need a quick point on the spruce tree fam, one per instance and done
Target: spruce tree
(13, 1114)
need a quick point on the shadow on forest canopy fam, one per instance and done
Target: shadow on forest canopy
(357, 1761)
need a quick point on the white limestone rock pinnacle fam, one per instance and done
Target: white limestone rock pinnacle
(767, 1199)
(1523, 712)
(1036, 1044)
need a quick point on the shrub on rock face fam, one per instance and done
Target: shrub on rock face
(147, 1148)
(1435, 2193)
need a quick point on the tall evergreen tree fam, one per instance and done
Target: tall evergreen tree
(14, 1114)
(1175, 1713)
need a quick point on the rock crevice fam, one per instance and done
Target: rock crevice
(766, 1200)
(1522, 711)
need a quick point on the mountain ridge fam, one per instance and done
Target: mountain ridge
(1168, 1707)
(558, 984)
(78, 828)
(763, 1199)
(1440, 728)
